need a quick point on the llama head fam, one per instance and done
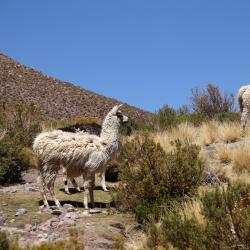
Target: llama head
(117, 114)
(114, 118)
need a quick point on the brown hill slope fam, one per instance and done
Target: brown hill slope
(57, 98)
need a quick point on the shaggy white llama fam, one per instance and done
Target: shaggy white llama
(90, 128)
(244, 103)
(82, 154)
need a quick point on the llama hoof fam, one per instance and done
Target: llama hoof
(67, 192)
(105, 190)
(79, 190)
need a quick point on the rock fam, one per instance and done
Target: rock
(13, 190)
(13, 220)
(32, 189)
(94, 211)
(2, 219)
(28, 227)
(21, 211)
(69, 207)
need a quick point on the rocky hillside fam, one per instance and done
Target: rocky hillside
(57, 98)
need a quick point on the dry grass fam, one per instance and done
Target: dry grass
(193, 210)
(208, 133)
(182, 132)
(224, 153)
(229, 132)
(241, 159)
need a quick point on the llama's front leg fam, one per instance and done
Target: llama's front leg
(103, 182)
(73, 181)
(88, 184)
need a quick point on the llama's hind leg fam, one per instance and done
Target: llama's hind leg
(42, 191)
(103, 182)
(65, 180)
(74, 183)
(51, 187)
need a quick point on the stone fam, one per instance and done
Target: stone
(2, 219)
(21, 211)
(12, 220)
(28, 227)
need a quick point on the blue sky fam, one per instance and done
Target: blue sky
(145, 53)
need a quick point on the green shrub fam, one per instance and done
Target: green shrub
(22, 122)
(4, 242)
(227, 117)
(227, 216)
(150, 179)
(10, 164)
(166, 118)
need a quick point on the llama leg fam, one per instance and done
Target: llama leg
(42, 191)
(74, 183)
(51, 177)
(52, 193)
(103, 182)
(91, 191)
(65, 181)
(89, 184)
(245, 117)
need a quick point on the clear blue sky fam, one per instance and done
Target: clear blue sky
(145, 53)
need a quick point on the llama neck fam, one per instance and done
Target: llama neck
(110, 132)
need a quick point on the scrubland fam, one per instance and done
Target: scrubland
(184, 181)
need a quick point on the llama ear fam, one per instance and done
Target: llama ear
(118, 106)
(115, 108)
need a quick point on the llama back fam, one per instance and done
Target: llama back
(65, 148)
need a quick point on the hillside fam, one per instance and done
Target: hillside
(57, 98)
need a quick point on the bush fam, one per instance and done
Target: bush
(211, 101)
(4, 242)
(22, 123)
(166, 118)
(227, 226)
(150, 178)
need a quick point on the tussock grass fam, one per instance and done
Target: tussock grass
(192, 210)
(208, 133)
(241, 159)
(183, 131)
(229, 132)
(224, 153)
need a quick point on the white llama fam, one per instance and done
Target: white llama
(244, 103)
(80, 153)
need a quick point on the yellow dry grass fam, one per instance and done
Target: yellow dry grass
(208, 133)
(224, 153)
(241, 158)
(182, 132)
(229, 132)
(192, 210)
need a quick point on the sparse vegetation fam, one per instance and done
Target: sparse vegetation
(211, 101)
(75, 242)
(150, 178)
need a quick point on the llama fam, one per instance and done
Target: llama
(91, 128)
(80, 153)
(244, 103)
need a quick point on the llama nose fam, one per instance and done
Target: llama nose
(125, 119)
